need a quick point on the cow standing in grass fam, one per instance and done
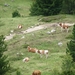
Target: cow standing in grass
(43, 52)
(64, 26)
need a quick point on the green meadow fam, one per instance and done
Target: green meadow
(38, 39)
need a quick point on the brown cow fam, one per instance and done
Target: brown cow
(36, 72)
(33, 50)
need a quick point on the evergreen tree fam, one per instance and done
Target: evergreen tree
(46, 7)
(68, 6)
(71, 45)
(4, 63)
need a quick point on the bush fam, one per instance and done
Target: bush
(16, 14)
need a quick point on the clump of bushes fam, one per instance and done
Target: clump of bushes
(16, 14)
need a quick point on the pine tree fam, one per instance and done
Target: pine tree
(4, 63)
(46, 7)
(71, 45)
(68, 6)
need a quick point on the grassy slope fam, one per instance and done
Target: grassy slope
(40, 40)
(8, 6)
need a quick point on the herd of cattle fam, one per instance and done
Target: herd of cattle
(43, 52)
(63, 26)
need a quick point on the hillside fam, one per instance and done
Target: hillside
(40, 39)
(9, 6)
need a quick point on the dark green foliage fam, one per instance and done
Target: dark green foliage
(68, 66)
(71, 46)
(68, 73)
(73, 33)
(46, 7)
(68, 6)
(15, 14)
(4, 66)
(71, 49)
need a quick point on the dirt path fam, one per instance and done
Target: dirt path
(38, 27)
(9, 37)
(34, 29)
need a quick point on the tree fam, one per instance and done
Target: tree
(4, 63)
(71, 45)
(68, 6)
(46, 7)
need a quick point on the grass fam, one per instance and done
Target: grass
(7, 7)
(39, 39)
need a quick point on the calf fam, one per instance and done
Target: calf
(36, 72)
(43, 52)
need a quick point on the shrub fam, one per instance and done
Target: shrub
(16, 14)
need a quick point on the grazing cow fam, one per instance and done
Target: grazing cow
(33, 50)
(36, 72)
(64, 26)
(26, 59)
(43, 52)
(19, 26)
